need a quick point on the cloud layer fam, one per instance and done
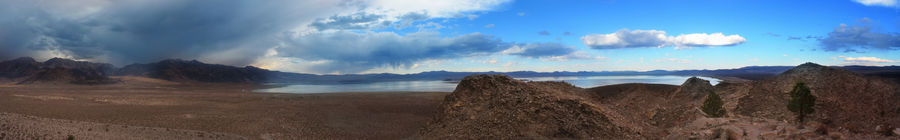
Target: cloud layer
(350, 52)
(885, 3)
(852, 38)
(653, 38)
(539, 50)
(868, 59)
(230, 32)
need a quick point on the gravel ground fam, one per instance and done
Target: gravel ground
(146, 110)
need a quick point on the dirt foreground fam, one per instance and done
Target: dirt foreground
(148, 110)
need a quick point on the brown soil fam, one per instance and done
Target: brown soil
(18, 126)
(140, 108)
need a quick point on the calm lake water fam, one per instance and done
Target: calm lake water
(443, 86)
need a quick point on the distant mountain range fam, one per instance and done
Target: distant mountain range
(195, 71)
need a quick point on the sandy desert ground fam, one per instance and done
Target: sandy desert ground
(151, 109)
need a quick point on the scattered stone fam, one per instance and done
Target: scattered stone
(897, 131)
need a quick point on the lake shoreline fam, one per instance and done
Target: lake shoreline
(445, 86)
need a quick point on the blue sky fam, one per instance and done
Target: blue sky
(407, 36)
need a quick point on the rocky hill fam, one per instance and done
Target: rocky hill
(500, 107)
(196, 71)
(56, 70)
(845, 99)
(694, 88)
(655, 107)
(21, 67)
(849, 106)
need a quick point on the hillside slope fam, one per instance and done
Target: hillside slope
(499, 107)
(844, 99)
(195, 71)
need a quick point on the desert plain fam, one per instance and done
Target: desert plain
(144, 108)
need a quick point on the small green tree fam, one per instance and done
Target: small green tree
(801, 102)
(712, 106)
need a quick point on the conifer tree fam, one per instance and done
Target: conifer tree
(801, 102)
(712, 106)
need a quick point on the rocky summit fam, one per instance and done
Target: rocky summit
(694, 88)
(500, 107)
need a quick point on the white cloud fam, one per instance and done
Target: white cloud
(674, 60)
(490, 61)
(489, 26)
(509, 64)
(434, 8)
(578, 55)
(703, 39)
(436, 26)
(521, 14)
(654, 38)
(868, 59)
(886, 3)
(472, 17)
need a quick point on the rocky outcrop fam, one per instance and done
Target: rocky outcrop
(694, 88)
(844, 99)
(500, 107)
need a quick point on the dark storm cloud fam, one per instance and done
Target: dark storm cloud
(538, 50)
(235, 32)
(850, 38)
(141, 31)
(351, 52)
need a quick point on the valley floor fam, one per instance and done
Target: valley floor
(208, 111)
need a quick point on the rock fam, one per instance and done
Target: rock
(734, 133)
(897, 131)
(768, 135)
(694, 88)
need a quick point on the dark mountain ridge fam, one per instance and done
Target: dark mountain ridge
(196, 71)
(56, 70)
(20, 67)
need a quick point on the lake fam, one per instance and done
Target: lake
(444, 86)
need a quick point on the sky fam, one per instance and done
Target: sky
(411, 36)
